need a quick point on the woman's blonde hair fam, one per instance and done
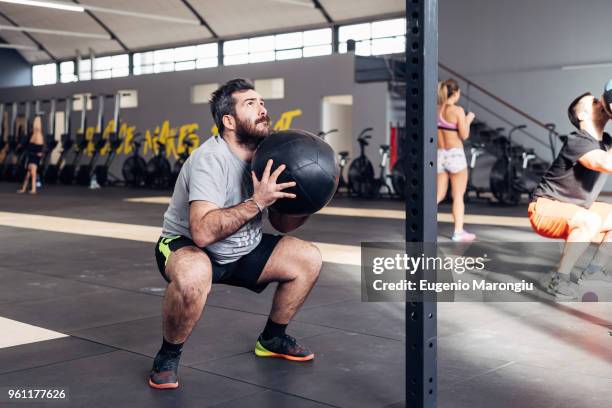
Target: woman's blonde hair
(446, 89)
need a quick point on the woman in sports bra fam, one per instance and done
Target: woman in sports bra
(453, 129)
(35, 152)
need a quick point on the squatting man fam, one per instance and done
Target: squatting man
(565, 202)
(212, 233)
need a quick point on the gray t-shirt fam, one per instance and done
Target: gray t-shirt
(213, 173)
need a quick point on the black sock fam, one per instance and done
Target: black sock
(171, 349)
(273, 329)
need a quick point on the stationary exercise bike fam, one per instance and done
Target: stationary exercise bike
(53, 169)
(68, 170)
(134, 168)
(85, 171)
(382, 181)
(101, 171)
(516, 173)
(343, 158)
(159, 172)
(178, 164)
(361, 172)
(323, 134)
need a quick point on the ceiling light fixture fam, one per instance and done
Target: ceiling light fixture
(48, 4)
(587, 66)
(61, 5)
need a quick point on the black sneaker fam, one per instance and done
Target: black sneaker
(283, 346)
(561, 289)
(164, 372)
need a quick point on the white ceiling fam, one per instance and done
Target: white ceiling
(227, 18)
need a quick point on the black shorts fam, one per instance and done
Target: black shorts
(33, 159)
(244, 272)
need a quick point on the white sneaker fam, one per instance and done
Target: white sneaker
(561, 289)
(463, 236)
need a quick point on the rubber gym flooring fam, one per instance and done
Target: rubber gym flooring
(80, 306)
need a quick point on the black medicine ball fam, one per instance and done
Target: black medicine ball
(309, 161)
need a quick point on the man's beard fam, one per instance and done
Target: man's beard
(248, 135)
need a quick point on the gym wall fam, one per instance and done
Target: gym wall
(14, 69)
(526, 54)
(167, 97)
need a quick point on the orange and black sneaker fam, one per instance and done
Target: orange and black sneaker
(283, 346)
(164, 372)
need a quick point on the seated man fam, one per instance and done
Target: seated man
(564, 203)
(212, 233)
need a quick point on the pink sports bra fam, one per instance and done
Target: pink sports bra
(444, 125)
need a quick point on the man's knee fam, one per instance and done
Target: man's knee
(305, 256)
(587, 222)
(312, 260)
(191, 273)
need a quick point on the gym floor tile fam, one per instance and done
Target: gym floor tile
(455, 318)
(527, 386)
(349, 370)
(376, 319)
(271, 399)
(80, 311)
(220, 333)
(47, 352)
(244, 299)
(455, 369)
(119, 379)
(21, 286)
(560, 338)
(349, 230)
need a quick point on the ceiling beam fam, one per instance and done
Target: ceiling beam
(20, 47)
(108, 30)
(34, 40)
(200, 18)
(55, 32)
(319, 6)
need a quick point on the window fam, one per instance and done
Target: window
(201, 93)
(163, 60)
(317, 42)
(207, 55)
(102, 68)
(184, 58)
(389, 28)
(120, 65)
(236, 52)
(84, 70)
(288, 54)
(176, 59)
(278, 47)
(377, 38)
(44, 74)
(67, 72)
(290, 40)
(273, 88)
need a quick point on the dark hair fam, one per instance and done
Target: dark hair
(223, 103)
(571, 110)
